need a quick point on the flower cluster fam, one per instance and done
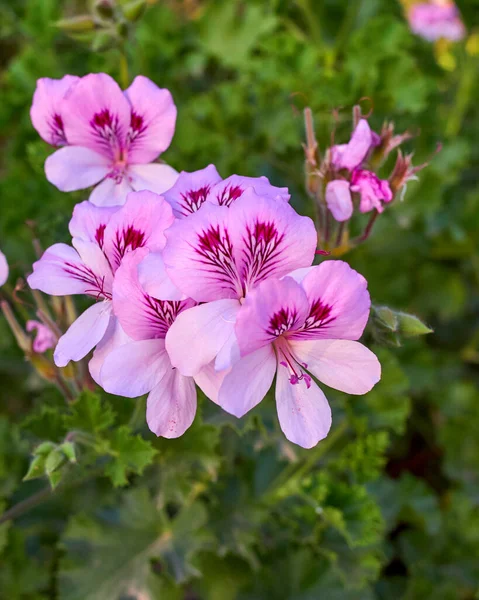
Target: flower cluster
(435, 20)
(346, 180)
(211, 283)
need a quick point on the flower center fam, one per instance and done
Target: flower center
(287, 360)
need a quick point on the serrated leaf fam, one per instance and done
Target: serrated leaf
(90, 414)
(130, 454)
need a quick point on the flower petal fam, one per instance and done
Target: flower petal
(3, 269)
(114, 338)
(171, 405)
(155, 177)
(199, 333)
(141, 222)
(338, 199)
(269, 238)
(112, 191)
(155, 280)
(273, 308)
(341, 364)
(303, 410)
(152, 122)
(96, 115)
(209, 381)
(45, 338)
(74, 168)
(135, 368)
(88, 222)
(141, 316)
(47, 108)
(339, 302)
(350, 155)
(190, 190)
(83, 334)
(233, 187)
(248, 382)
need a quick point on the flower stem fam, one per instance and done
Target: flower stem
(22, 507)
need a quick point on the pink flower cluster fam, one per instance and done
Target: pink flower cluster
(435, 20)
(210, 283)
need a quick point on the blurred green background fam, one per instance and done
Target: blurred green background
(388, 507)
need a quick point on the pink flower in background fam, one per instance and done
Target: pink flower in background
(101, 238)
(45, 338)
(305, 323)
(372, 190)
(3, 269)
(435, 20)
(191, 190)
(351, 155)
(216, 256)
(143, 366)
(109, 136)
(339, 200)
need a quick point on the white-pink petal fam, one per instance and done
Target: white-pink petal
(83, 334)
(74, 168)
(304, 413)
(112, 191)
(155, 177)
(3, 269)
(114, 338)
(248, 382)
(338, 199)
(88, 222)
(209, 381)
(344, 365)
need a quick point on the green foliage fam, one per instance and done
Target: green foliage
(231, 511)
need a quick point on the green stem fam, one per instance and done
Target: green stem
(463, 98)
(22, 507)
(124, 74)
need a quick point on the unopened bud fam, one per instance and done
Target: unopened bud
(134, 10)
(105, 9)
(77, 24)
(386, 317)
(411, 326)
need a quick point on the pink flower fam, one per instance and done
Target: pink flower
(216, 256)
(338, 199)
(143, 365)
(435, 20)
(351, 155)
(304, 323)
(109, 136)
(45, 338)
(372, 190)
(191, 190)
(101, 238)
(3, 269)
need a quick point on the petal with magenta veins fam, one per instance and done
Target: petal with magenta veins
(191, 190)
(83, 334)
(152, 120)
(230, 189)
(88, 222)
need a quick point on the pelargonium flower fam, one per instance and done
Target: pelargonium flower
(101, 238)
(306, 323)
(44, 339)
(3, 269)
(143, 366)
(351, 155)
(108, 136)
(191, 190)
(435, 20)
(216, 256)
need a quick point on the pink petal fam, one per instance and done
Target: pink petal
(248, 382)
(96, 115)
(44, 339)
(61, 272)
(74, 168)
(141, 316)
(271, 309)
(209, 380)
(135, 368)
(114, 338)
(155, 177)
(155, 280)
(95, 260)
(269, 238)
(190, 190)
(3, 269)
(350, 155)
(339, 302)
(152, 122)
(341, 364)
(88, 222)
(303, 410)
(199, 333)
(112, 191)
(46, 112)
(338, 199)
(83, 334)
(233, 187)
(141, 222)
(229, 354)
(199, 257)
(171, 405)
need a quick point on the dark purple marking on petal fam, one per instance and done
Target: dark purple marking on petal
(100, 234)
(57, 130)
(106, 127)
(162, 313)
(282, 321)
(192, 200)
(319, 318)
(229, 195)
(85, 274)
(216, 250)
(263, 244)
(125, 240)
(137, 127)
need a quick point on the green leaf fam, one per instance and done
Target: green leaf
(130, 454)
(90, 414)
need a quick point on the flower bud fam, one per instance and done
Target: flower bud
(77, 24)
